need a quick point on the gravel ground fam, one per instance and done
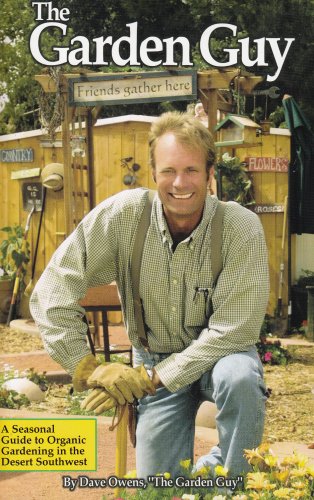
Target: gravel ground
(13, 341)
(290, 407)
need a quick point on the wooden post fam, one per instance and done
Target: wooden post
(67, 163)
(90, 155)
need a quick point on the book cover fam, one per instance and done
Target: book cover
(81, 84)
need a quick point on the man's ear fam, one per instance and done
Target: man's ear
(211, 174)
(211, 183)
(154, 175)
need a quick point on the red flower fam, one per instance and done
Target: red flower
(267, 356)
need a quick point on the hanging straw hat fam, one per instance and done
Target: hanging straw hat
(52, 176)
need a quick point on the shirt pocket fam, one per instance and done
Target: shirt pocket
(198, 305)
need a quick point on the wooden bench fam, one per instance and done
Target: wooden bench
(103, 299)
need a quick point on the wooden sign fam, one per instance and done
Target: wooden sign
(267, 164)
(128, 88)
(25, 174)
(20, 155)
(267, 209)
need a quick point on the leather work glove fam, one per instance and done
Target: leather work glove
(99, 401)
(83, 370)
(122, 382)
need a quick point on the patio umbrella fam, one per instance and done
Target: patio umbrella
(301, 172)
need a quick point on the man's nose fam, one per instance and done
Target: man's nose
(179, 181)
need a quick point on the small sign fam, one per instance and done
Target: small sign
(20, 155)
(133, 88)
(267, 209)
(25, 174)
(50, 144)
(32, 193)
(267, 164)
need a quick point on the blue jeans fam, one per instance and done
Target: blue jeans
(166, 421)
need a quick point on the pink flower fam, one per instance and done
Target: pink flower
(267, 356)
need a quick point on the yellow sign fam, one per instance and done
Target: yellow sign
(48, 444)
(26, 173)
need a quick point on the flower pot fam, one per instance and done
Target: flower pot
(6, 289)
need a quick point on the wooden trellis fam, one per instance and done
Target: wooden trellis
(78, 170)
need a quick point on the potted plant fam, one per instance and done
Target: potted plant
(234, 180)
(14, 256)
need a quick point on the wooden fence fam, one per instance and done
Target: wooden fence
(124, 137)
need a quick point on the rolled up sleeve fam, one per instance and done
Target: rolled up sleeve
(85, 259)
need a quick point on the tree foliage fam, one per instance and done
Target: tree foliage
(189, 18)
(16, 66)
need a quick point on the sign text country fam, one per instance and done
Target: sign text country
(17, 155)
(267, 164)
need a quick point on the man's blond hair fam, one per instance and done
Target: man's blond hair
(189, 132)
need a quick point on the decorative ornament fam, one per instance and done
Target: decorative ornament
(130, 179)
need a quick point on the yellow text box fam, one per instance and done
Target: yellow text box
(55, 444)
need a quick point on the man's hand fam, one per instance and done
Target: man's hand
(156, 380)
(98, 401)
(122, 382)
(82, 371)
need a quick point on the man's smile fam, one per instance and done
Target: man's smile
(181, 196)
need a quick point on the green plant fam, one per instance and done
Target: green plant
(10, 373)
(277, 117)
(11, 399)
(236, 181)
(14, 253)
(272, 353)
(290, 477)
(39, 379)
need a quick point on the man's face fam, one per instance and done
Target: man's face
(181, 178)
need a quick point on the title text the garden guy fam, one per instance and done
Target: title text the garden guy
(152, 51)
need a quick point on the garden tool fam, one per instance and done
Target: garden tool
(280, 323)
(12, 310)
(121, 445)
(30, 286)
(32, 202)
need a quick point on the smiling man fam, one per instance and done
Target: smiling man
(181, 177)
(201, 332)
